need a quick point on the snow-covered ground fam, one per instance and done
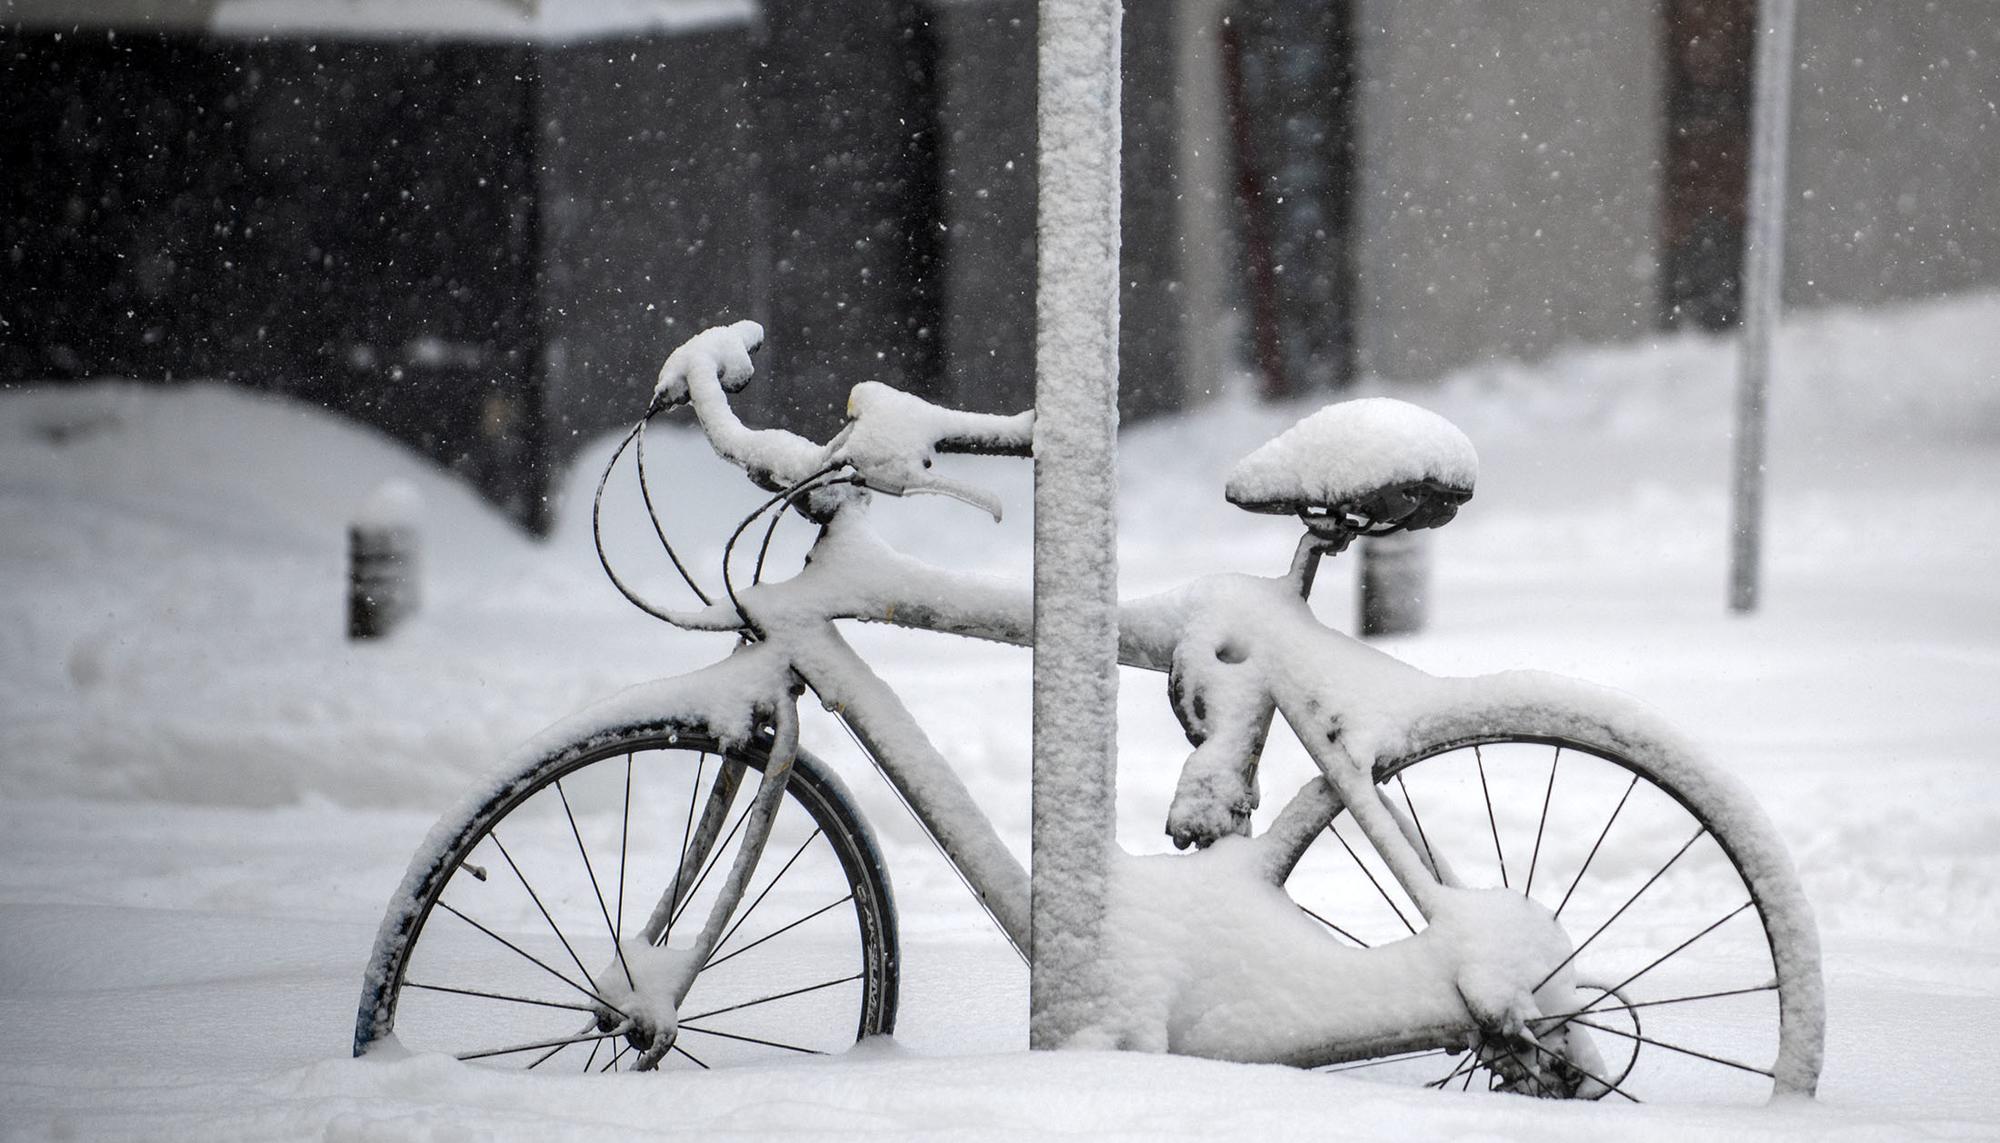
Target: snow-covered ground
(207, 794)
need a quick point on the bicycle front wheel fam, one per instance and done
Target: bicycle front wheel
(1695, 957)
(515, 937)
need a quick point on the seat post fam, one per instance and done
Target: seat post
(1305, 563)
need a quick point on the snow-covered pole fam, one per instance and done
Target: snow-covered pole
(1763, 281)
(1076, 483)
(382, 552)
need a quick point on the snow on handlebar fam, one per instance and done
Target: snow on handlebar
(889, 441)
(704, 371)
(722, 352)
(891, 438)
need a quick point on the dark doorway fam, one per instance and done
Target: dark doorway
(856, 209)
(1290, 77)
(1707, 160)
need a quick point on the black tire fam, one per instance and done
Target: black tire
(1644, 857)
(486, 945)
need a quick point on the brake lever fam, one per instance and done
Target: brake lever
(964, 493)
(891, 452)
(898, 480)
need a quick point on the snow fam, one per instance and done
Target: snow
(1182, 930)
(707, 367)
(394, 504)
(207, 795)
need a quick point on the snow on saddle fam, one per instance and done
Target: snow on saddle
(1365, 467)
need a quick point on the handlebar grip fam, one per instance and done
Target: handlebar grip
(986, 434)
(721, 353)
(997, 445)
(751, 335)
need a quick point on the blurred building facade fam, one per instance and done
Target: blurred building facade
(479, 224)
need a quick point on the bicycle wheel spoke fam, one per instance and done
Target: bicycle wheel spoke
(1621, 867)
(595, 892)
(1429, 857)
(1331, 925)
(1658, 1043)
(1398, 1058)
(686, 1027)
(775, 996)
(1635, 1006)
(1541, 827)
(536, 898)
(1458, 1067)
(1592, 1077)
(1602, 834)
(1487, 792)
(624, 834)
(498, 996)
(687, 836)
(778, 932)
(1371, 877)
(786, 868)
(1659, 960)
(532, 959)
(714, 856)
(535, 1046)
(1493, 1076)
(538, 1061)
(1629, 902)
(816, 894)
(1541, 1088)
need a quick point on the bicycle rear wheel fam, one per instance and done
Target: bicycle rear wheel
(1696, 959)
(515, 937)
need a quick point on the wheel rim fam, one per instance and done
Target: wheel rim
(1665, 927)
(511, 961)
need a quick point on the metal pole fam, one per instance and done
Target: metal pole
(1076, 483)
(1763, 280)
(382, 561)
(1395, 583)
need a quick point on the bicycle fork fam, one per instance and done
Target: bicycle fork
(649, 979)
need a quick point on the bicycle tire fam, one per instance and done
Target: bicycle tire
(1462, 779)
(520, 939)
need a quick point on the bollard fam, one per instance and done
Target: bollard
(1395, 582)
(382, 561)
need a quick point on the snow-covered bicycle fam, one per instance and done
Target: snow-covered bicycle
(1516, 881)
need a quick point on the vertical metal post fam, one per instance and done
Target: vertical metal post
(1076, 449)
(1763, 281)
(1395, 583)
(1202, 206)
(382, 570)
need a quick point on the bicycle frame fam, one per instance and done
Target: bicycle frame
(852, 574)
(1253, 982)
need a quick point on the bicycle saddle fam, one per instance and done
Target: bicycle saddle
(1370, 466)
